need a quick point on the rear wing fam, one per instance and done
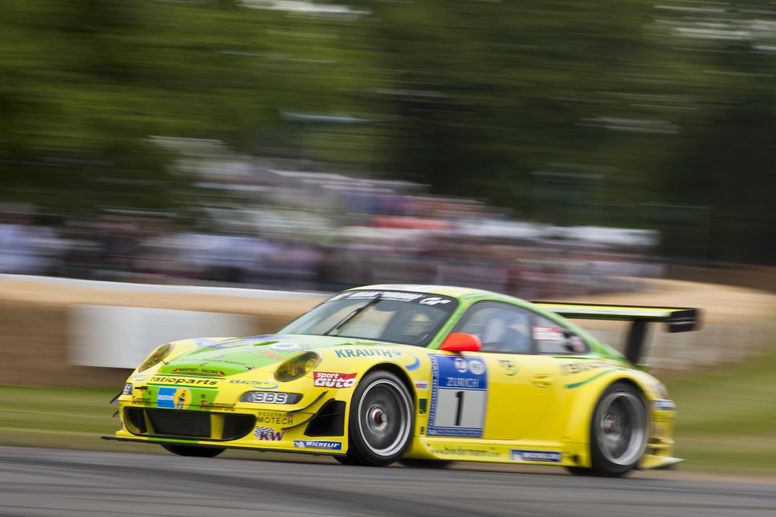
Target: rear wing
(676, 319)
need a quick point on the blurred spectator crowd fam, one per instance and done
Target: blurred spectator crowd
(262, 226)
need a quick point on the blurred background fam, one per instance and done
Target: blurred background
(562, 150)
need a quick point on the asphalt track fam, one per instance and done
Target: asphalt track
(50, 482)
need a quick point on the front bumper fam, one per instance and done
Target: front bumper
(318, 427)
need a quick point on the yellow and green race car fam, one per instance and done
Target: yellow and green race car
(423, 375)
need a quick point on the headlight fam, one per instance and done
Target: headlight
(270, 397)
(297, 366)
(155, 357)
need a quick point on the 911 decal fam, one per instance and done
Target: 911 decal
(459, 392)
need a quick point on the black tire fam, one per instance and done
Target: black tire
(193, 451)
(425, 464)
(344, 460)
(381, 420)
(619, 431)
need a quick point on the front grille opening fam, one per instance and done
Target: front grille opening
(237, 426)
(190, 424)
(328, 421)
(177, 423)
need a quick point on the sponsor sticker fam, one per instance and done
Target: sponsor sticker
(458, 396)
(334, 380)
(509, 366)
(582, 366)
(262, 385)
(421, 385)
(367, 352)
(127, 389)
(542, 456)
(274, 418)
(286, 347)
(554, 334)
(318, 444)
(184, 380)
(664, 405)
(434, 300)
(270, 397)
(267, 434)
(462, 451)
(385, 295)
(476, 366)
(173, 398)
(198, 371)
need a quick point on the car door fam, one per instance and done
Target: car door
(503, 392)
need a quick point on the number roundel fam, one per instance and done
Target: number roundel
(459, 393)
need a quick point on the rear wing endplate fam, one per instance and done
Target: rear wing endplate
(676, 319)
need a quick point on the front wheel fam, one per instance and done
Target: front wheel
(193, 451)
(381, 420)
(618, 432)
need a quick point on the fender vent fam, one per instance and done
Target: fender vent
(328, 421)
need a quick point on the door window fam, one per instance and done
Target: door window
(501, 327)
(552, 339)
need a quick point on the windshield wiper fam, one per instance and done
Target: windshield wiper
(354, 314)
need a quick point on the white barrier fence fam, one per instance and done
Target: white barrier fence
(120, 337)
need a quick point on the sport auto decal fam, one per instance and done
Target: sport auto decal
(459, 391)
(334, 380)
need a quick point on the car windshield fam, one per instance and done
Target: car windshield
(393, 316)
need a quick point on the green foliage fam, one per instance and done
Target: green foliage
(662, 112)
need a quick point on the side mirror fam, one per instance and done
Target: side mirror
(461, 342)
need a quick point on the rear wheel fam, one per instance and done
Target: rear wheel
(193, 451)
(381, 420)
(618, 432)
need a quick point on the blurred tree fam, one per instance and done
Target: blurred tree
(665, 105)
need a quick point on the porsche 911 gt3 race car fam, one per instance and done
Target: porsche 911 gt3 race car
(417, 374)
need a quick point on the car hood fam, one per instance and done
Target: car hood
(220, 358)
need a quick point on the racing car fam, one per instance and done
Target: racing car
(422, 375)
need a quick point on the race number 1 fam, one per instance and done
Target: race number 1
(458, 396)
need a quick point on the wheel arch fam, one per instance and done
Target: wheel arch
(397, 370)
(578, 424)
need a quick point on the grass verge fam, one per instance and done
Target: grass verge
(727, 417)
